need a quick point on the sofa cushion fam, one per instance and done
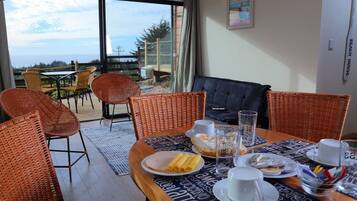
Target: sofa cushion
(226, 97)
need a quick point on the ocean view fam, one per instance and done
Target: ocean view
(19, 61)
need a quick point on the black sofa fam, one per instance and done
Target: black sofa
(226, 97)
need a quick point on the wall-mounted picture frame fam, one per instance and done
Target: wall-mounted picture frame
(240, 14)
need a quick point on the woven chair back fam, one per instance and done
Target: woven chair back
(32, 80)
(92, 70)
(26, 169)
(33, 70)
(306, 115)
(56, 117)
(156, 113)
(82, 79)
(114, 88)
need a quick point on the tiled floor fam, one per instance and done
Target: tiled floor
(95, 181)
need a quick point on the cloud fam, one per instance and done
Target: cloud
(29, 22)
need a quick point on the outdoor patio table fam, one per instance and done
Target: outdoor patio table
(57, 76)
(146, 182)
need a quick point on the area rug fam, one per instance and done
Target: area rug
(115, 145)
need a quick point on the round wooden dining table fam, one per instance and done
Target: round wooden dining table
(152, 191)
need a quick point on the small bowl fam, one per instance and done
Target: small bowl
(315, 189)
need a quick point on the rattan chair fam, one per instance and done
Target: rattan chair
(26, 169)
(156, 113)
(306, 115)
(79, 89)
(114, 89)
(57, 120)
(92, 70)
(33, 81)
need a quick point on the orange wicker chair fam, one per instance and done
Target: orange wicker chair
(157, 113)
(22, 142)
(57, 120)
(115, 89)
(306, 115)
(92, 70)
(79, 89)
(33, 81)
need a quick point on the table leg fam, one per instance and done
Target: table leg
(58, 90)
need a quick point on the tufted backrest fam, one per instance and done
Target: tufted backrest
(233, 96)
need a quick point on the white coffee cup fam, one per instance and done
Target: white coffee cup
(203, 126)
(244, 184)
(328, 151)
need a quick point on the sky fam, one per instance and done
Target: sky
(42, 31)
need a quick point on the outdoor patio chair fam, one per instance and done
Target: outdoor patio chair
(33, 81)
(26, 168)
(57, 120)
(155, 113)
(92, 70)
(307, 115)
(79, 89)
(114, 89)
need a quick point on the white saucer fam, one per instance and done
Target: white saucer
(220, 191)
(243, 160)
(312, 155)
(172, 174)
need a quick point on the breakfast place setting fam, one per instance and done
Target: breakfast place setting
(243, 163)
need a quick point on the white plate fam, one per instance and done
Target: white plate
(220, 191)
(207, 156)
(173, 174)
(291, 165)
(312, 155)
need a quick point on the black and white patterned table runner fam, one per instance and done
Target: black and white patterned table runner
(199, 186)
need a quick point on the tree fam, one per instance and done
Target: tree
(95, 61)
(152, 33)
(56, 63)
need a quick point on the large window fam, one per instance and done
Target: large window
(140, 40)
(144, 36)
(52, 33)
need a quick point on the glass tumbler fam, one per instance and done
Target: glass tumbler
(349, 183)
(247, 122)
(225, 149)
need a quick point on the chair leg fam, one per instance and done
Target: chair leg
(69, 104)
(76, 101)
(101, 119)
(111, 122)
(127, 109)
(84, 146)
(49, 142)
(69, 160)
(82, 93)
(85, 93)
(90, 98)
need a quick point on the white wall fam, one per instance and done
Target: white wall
(334, 24)
(281, 50)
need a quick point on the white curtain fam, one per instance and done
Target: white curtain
(6, 76)
(190, 50)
